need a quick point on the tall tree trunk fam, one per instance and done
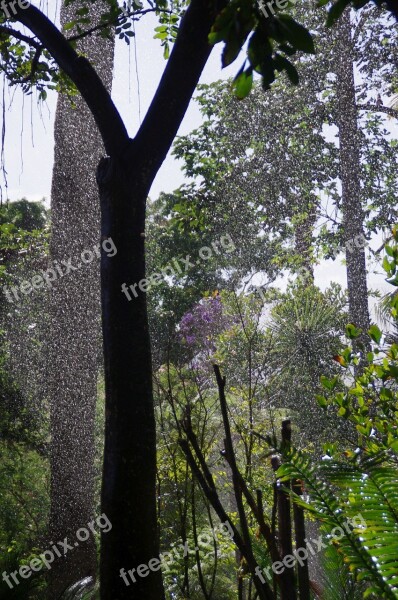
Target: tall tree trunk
(124, 179)
(129, 476)
(353, 216)
(74, 346)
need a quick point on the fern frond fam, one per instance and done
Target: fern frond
(340, 494)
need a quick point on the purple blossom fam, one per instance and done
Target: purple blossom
(200, 327)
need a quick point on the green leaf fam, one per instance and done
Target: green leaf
(242, 83)
(352, 331)
(296, 34)
(394, 446)
(287, 49)
(161, 35)
(215, 36)
(327, 383)
(375, 333)
(283, 64)
(393, 280)
(387, 265)
(69, 25)
(259, 51)
(230, 52)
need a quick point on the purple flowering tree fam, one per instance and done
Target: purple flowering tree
(199, 329)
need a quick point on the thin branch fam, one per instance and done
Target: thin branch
(187, 427)
(20, 36)
(258, 513)
(116, 22)
(197, 551)
(211, 494)
(264, 590)
(33, 68)
(375, 252)
(379, 108)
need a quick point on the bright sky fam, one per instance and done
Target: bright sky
(29, 140)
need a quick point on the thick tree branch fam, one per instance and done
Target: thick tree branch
(177, 85)
(379, 108)
(83, 75)
(175, 90)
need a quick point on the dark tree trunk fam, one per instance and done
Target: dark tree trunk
(74, 336)
(353, 216)
(124, 179)
(129, 476)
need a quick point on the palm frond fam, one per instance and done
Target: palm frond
(340, 495)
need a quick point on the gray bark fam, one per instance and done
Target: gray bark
(74, 347)
(353, 216)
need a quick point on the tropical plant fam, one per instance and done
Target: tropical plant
(306, 326)
(360, 480)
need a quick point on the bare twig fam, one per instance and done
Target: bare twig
(264, 589)
(211, 494)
